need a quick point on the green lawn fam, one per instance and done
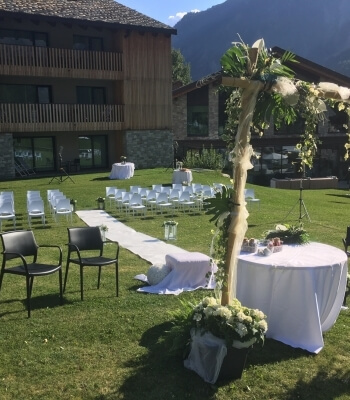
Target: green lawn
(113, 348)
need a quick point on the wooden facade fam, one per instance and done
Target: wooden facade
(147, 81)
(130, 76)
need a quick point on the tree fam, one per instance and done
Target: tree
(181, 69)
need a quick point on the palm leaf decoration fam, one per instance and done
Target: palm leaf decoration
(220, 204)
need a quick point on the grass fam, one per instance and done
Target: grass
(112, 348)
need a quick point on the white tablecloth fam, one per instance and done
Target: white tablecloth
(182, 176)
(122, 171)
(188, 272)
(300, 289)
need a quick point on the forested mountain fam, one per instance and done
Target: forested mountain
(318, 30)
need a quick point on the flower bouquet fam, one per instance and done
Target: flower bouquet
(289, 234)
(123, 159)
(239, 326)
(100, 203)
(221, 338)
(103, 229)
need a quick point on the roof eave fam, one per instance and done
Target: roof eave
(104, 24)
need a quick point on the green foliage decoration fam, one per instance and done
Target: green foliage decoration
(272, 105)
(289, 234)
(219, 208)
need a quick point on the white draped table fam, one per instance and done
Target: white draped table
(182, 176)
(189, 271)
(300, 289)
(122, 171)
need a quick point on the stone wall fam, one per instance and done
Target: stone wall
(149, 149)
(7, 162)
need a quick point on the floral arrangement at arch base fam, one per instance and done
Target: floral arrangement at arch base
(239, 326)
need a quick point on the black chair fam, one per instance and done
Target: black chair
(81, 242)
(22, 244)
(346, 243)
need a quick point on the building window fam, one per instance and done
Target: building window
(23, 38)
(25, 94)
(198, 112)
(338, 121)
(87, 43)
(93, 151)
(293, 129)
(223, 96)
(35, 152)
(91, 95)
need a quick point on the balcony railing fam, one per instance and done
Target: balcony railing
(60, 117)
(55, 62)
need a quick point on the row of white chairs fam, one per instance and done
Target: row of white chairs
(35, 206)
(7, 208)
(159, 198)
(60, 204)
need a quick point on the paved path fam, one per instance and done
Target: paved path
(147, 247)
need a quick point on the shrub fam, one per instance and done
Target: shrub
(207, 158)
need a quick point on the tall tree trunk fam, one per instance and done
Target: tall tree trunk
(243, 152)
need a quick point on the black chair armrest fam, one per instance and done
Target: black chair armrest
(71, 248)
(115, 243)
(15, 256)
(53, 247)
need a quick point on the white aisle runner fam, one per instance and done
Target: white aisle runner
(147, 247)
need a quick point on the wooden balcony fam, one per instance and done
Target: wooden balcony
(54, 62)
(60, 117)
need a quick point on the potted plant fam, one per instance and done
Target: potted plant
(170, 230)
(227, 333)
(73, 203)
(103, 229)
(123, 159)
(100, 203)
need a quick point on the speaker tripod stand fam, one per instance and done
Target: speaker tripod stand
(302, 207)
(63, 176)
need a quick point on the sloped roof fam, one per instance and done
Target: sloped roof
(98, 11)
(315, 72)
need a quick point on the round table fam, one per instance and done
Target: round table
(300, 289)
(182, 176)
(122, 171)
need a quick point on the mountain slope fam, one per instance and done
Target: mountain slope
(316, 30)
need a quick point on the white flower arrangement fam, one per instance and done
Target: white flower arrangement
(240, 326)
(156, 273)
(103, 228)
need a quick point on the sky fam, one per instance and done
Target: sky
(169, 11)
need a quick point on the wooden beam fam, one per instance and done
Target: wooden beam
(235, 82)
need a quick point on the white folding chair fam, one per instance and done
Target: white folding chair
(249, 196)
(36, 209)
(151, 199)
(174, 196)
(136, 206)
(118, 195)
(157, 188)
(177, 186)
(63, 207)
(7, 212)
(163, 202)
(134, 189)
(186, 202)
(110, 193)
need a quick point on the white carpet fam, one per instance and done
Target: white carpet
(147, 247)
